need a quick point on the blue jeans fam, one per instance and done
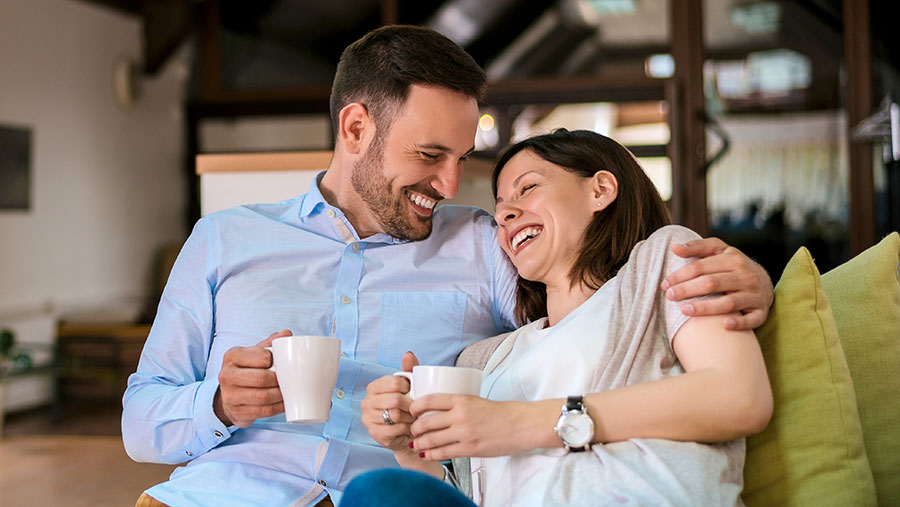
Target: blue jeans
(391, 487)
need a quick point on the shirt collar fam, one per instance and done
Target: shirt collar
(314, 202)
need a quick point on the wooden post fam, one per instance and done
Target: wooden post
(858, 97)
(687, 147)
(389, 12)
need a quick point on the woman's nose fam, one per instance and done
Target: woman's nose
(505, 214)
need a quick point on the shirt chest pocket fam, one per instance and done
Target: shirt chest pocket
(430, 324)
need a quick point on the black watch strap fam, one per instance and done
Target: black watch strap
(575, 403)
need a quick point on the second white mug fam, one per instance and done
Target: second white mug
(424, 380)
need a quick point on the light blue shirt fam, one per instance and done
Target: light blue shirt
(249, 271)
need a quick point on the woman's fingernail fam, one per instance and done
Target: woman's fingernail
(687, 309)
(670, 294)
(411, 445)
(422, 455)
(665, 285)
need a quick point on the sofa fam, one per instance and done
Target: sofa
(832, 349)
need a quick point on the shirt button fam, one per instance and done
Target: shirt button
(322, 482)
(218, 434)
(189, 453)
(356, 246)
(340, 394)
(343, 355)
(330, 213)
(345, 300)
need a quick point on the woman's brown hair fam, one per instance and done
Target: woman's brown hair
(637, 211)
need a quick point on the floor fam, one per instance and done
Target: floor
(77, 461)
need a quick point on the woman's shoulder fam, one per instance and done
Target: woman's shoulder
(658, 245)
(652, 259)
(669, 235)
(481, 354)
(477, 354)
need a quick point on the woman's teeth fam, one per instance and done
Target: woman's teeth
(524, 235)
(421, 201)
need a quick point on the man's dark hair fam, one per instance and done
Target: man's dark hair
(378, 70)
(637, 211)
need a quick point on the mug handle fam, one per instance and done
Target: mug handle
(271, 368)
(408, 376)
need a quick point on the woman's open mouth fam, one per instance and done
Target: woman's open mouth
(524, 237)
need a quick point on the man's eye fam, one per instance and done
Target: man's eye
(429, 156)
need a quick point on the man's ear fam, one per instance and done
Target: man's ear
(604, 189)
(355, 127)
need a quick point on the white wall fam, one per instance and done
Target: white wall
(107, 188)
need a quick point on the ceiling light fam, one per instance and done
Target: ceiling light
(660, 66)
(486, 122)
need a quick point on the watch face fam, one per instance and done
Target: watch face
(577, 430)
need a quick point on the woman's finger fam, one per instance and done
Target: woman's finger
(426, 423)
(449, 451)
(435, 439)
(430, 403)
(395, 415)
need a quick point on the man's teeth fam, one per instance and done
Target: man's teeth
(421, 201)
(524, 235)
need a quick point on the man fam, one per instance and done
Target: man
(362, 256)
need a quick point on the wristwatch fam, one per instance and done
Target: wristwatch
(575, 427)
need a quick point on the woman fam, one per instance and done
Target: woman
(606, 364)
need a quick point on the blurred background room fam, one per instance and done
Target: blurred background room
(771, 124)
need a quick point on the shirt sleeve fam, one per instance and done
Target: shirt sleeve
(168, 406)
(660, 244)
(503, 279)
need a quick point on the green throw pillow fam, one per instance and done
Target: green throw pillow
(812, 451)
(865, 297)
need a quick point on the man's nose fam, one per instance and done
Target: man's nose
(446, 182)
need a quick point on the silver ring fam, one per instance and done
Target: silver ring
(386, 417)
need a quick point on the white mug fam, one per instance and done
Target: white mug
(424, 380)
(307, 369)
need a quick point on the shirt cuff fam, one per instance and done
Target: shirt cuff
(210, 430)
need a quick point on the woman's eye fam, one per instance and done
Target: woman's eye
(526, 188)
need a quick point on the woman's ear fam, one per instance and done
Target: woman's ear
(353, 127)
(604, 189)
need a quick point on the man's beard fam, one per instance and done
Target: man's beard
(375, 190)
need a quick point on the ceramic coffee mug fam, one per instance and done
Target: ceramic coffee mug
(307, 369)
(424, 380)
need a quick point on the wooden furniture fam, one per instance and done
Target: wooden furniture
(95, 360)
(232, 179)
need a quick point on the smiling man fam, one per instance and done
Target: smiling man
(365, 256)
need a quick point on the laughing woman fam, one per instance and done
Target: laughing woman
(609, 394)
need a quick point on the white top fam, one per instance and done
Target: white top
(622, 335)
